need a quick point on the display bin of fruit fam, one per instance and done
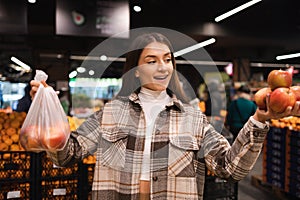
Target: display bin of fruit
(58, 188)
(17, 190)
(10, 125)
(57, 182)
(17, 174)
(46, 168)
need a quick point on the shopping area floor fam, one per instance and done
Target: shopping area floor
(247, 191)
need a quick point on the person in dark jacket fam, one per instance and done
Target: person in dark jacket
(240, 109)
(25, 102)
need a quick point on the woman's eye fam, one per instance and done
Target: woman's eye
(151, 62)
(168, 60)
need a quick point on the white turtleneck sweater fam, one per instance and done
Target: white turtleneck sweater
(152, 102)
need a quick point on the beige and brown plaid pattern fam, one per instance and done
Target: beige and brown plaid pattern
(183, 145)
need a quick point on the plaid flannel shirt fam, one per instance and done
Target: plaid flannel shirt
(183, 145)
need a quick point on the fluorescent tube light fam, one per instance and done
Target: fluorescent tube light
(194, 47)
(21, 64)
(235, 10)
(282, 57)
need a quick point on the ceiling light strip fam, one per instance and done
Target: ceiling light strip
(96, 58)
(194, 47)
(21, 64)
(287, 56)
(202, 62)
(274, 65)
(236, 10)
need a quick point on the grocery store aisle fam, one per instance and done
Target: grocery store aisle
(246, 191)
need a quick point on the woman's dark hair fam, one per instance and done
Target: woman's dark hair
(130, 83)
(244, 89)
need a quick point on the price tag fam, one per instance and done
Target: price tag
(59, 191)
(13, 194)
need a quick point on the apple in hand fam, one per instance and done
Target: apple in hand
(296, 90)
(281, 98)
(260, 97)
(279, 78)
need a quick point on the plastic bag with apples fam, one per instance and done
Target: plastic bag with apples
(46, 126)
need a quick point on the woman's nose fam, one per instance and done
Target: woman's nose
(161, 66)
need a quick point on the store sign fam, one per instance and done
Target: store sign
(92, 18)
(13, 17)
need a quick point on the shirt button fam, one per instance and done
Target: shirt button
(154, 178)
(255, 134)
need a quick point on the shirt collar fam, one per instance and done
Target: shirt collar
(176, 103)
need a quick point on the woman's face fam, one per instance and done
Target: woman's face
(155, 66)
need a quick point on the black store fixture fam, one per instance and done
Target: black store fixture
(33, 176)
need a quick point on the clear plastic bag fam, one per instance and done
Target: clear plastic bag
(46, 126)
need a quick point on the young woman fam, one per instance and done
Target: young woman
(150, 143)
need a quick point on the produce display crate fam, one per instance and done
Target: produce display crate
(17, 172)
(16, 165)
(217, 188)
(58, 188)
(275, 156)
(46, 168)
(57, 182)
(16, 190)
(87, 181)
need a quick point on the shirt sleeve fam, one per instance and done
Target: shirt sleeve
(82, 142)
(258, 123)
(234, 162)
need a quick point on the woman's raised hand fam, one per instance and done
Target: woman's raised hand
(34, 87)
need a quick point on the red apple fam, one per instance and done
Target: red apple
(279, 78)
(281, 98)
(54, 139)
(260, 97)
(29, 138)
(296, 90)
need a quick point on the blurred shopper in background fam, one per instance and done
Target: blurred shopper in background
(1, 97)
(64, 100)
(25, 102)
(214, 100)
(214, 104)
(239, 110)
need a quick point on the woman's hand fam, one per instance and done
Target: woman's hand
(34, 87)
(265, 115)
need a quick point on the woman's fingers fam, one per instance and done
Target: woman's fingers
(296, 109)
(44, 83)
(35, 85)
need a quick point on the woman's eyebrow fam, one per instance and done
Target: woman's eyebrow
(153, 56)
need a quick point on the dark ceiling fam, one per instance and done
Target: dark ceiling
(261, 32)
